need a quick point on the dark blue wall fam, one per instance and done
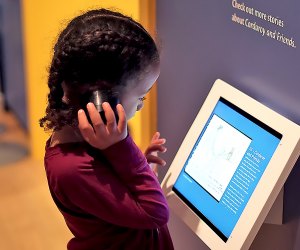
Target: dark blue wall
(12, 60)
(201, 43)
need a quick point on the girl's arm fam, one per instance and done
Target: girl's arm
(130, 195)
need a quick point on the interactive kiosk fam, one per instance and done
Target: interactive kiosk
(230, 168)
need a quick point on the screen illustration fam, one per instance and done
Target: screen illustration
(217, 156)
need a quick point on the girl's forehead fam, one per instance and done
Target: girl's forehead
(143, 84)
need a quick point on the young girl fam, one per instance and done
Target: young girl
(98, 178)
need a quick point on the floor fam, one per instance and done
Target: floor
(28, 218)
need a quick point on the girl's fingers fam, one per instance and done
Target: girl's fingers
(110, 116)
(159, 141)
(97, 122)
(155, 136)
(82, 119)
(152, 159)
(96, 132)
(122, 123)
(94, 115)
(83, 122)
(84, 126)
(155, 148)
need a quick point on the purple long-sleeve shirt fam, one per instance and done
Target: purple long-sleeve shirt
(110, 199)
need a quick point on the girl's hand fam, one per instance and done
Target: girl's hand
(98, 134)
(151, 152)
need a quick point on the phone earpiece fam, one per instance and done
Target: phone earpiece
(100, 96)
(97, 99)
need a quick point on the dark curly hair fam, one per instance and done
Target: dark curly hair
(100, 49)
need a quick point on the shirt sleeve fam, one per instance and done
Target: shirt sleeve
(126, 193)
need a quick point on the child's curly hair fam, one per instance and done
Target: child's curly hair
(100, 49)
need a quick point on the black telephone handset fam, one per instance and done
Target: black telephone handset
(100, 96)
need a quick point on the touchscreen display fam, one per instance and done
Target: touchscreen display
(225, 166)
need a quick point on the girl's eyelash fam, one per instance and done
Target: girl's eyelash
(142, 99)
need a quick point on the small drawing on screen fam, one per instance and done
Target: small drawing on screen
(217, 156)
